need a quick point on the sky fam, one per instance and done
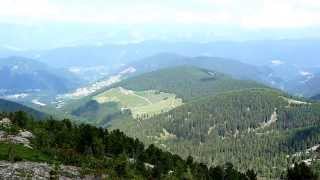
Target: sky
(247, 14)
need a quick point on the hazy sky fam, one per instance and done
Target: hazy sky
(248, 14)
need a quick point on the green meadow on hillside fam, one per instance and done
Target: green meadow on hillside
(140, 103)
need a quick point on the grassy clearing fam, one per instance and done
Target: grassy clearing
(22, 153)
(140, 102)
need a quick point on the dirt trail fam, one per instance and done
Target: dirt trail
(129, 92)
(144, 98)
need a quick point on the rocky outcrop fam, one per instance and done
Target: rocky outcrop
(25, 134)
(2, 134)
(5, 122)
(23, 137)
(33, 170)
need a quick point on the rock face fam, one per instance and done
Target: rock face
(25, 134)
(24, 170)
(33, 170)
(5, 122)
(23, 137)
(2, 134)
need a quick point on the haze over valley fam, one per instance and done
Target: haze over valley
(204, 89)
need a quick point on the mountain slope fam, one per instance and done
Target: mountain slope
(307, 86)
(8, 106)
(187, 82)
(252, 52)
(18, 74)
(257, 128)
(153, 93)
(231, 67)
(64, 150)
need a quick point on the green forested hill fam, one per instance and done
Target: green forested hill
(9, 106)
(187, 82)
(256, 128)
(154, 92)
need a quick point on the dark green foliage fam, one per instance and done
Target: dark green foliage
(236, 126)
(216, 172)
(102, 151)
(102, 114)
(87, 110)
(251, 174)
(301, 171)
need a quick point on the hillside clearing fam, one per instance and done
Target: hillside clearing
(141, 103)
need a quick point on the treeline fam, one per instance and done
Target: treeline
(100, 151)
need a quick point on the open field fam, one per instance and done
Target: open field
(140, 102)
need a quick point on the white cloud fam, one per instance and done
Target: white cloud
(277, 62)
(245, 13)
(305, 73)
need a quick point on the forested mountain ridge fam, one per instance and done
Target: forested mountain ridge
(154, 92)
(234, 68)
(256, 128)
(298, 80)
(187, 82)
(220, 118)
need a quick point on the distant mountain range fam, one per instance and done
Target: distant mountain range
(294, 52)
(281, 61)
(295, 79)
(302, 81)
(289, 52)
(58, 34)
(9, 106)
(231, 67)
(279, 74)
(307, 85)
(316, 97)
(18, 74)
